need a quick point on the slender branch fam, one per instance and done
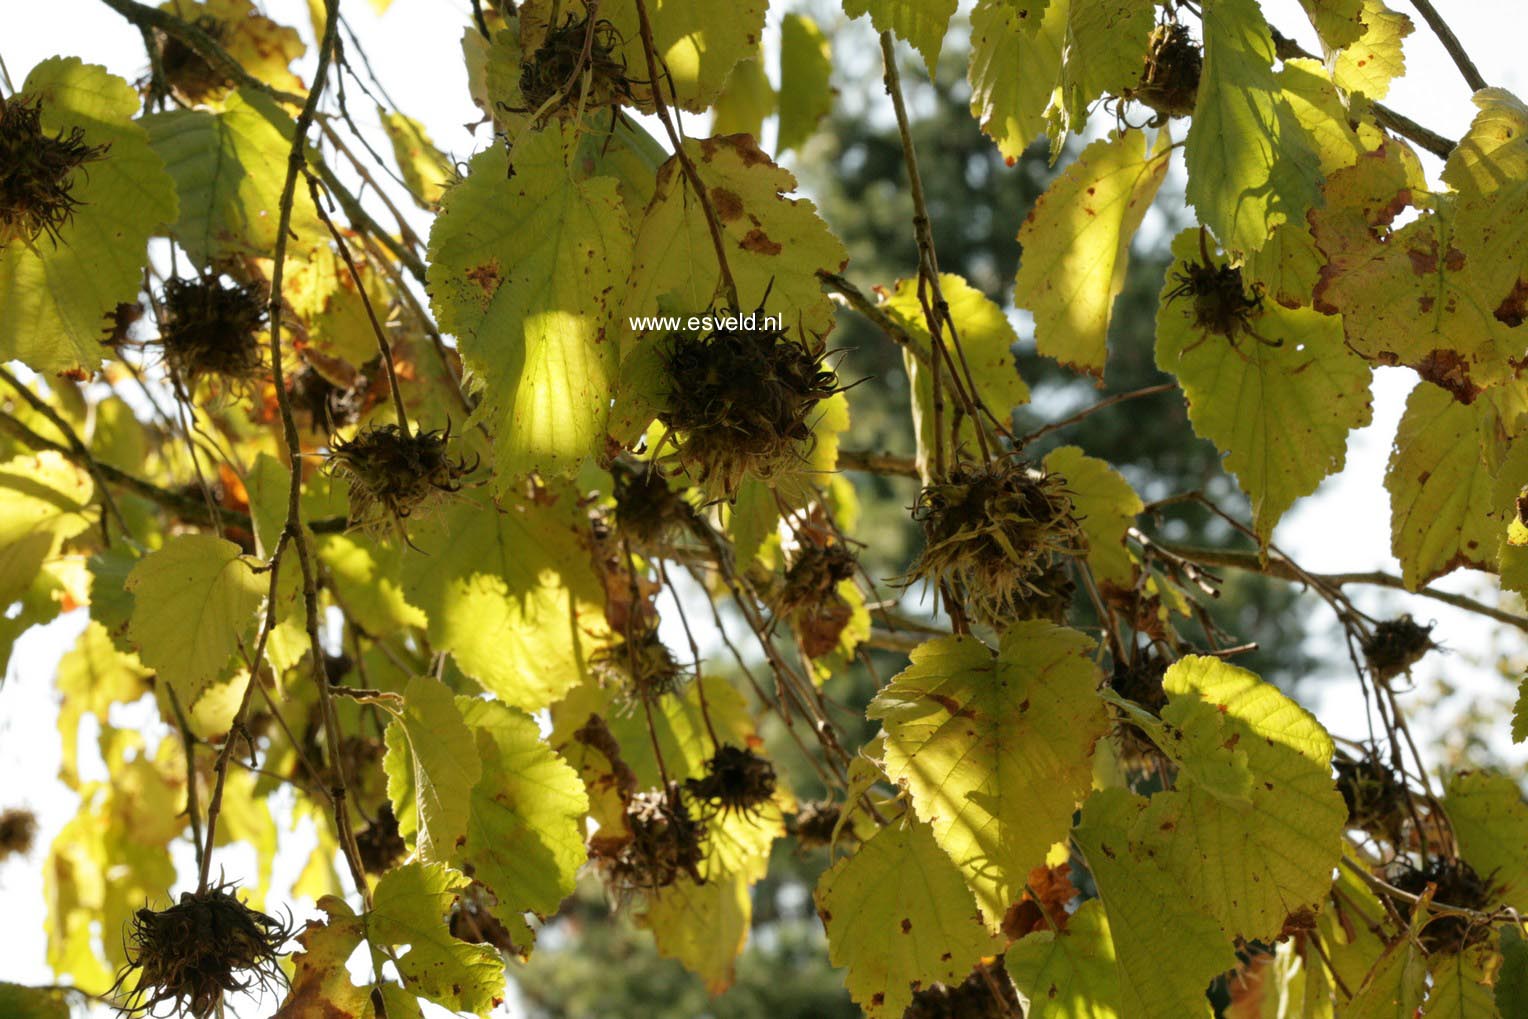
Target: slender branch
(205, 45)
(362, 221)
(713, 224)
(1451, 43)
(81, 454)
(857, 299)
(186, 507)
(1278, 566)
(188, 741)
(371, 314)
(296, 160)
(877, 463)
(1089, 411)
(1288, 49)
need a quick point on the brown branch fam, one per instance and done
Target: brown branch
(892, 464)
(1287, 49)
(296, 160)
(1450, 43)
(1086, 412)
(875, 313)
(205, 45)
(713, 224)
(1283, 569)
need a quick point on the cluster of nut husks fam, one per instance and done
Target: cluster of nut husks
(810, 600)
(579, 48)
(1170, 79)
(394, 472)
(209, 328)
(662, 842)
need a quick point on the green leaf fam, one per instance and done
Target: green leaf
(1490, 819)
(509, 592)
(229, 168)
(54, 298)
(432, 765)
(987, 340)
(704, 926)
(1149, 918)
(1338, 22)
(524, 830)
(44, 500)
(1440, 487)
(194, 600)
(1076, 246)
(996, 751)
(773, 243)
(1250, 163)
(409, 907)
(1394, 985)
(1106, 43)
(1107, 507)
(806, 64)
(92, 677)
(524, 270)
(1375, 59)
(21, 1002)
(1014, 69)
(746, 100)
(320, 983)
(696, 41)
(1068, 974)
(899, 916)
(426, 170)
(1461, 984)
(1254, 829)
(1512, 980)
(1281, 413)
(920, 23)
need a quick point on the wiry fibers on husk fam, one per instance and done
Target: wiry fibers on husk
(663, 842)
(991, 535)
(640, 667)
(37, 172)
(740, 404)
(554, 76)
(737, 780)
(1458, 885)
(207, 328)
(1395, 646)
(394, 474)
(814, 823)
(185, 958)
(1170, 80)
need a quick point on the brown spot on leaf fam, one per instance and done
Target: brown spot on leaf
(950, 705)
(486, 276)
(728, 205)
(758, 242)
(907, 925)
(1448, 369)
(1514, 307)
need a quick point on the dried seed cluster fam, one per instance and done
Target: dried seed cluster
(737, 781)
(1222, 304)
(648, 511)
(972, 998)
(37, 172)
(810, 598)
(665, 842)
(1375, 796)
(556, 72)
(1395, 646)
(991, 535)
(394, 473)
(472, 920)
(185, 70)
(380, 843)
(190, 955)
(211, 329)
(1457, 885)
(641, 667)
(1170, 80)
(815, 822)
(740, 403)
(326, 406)
(18, 828)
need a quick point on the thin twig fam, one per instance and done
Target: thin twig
(890, 464)
(1089, 411)
(878, 316)
(188, 741)
(1450, 43)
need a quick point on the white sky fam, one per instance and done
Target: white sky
(1344, 527)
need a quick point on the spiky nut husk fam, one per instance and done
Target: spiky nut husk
(18, 828)
(1222, 304)
(810, 600)
(972, 998)
(191, 954)
(664, 842)
(380, 843)
(394, 474)
(641, 667)
(1170, 79)
(325, 405)
(740, 404)
(649, 512)
(37, 172)
(991, 533)
(186, 71)
(1457, 885)
(557, 71)
(209, 328)
(1375, 796)
(1395, 646)
(815, 822)
(737, 781)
